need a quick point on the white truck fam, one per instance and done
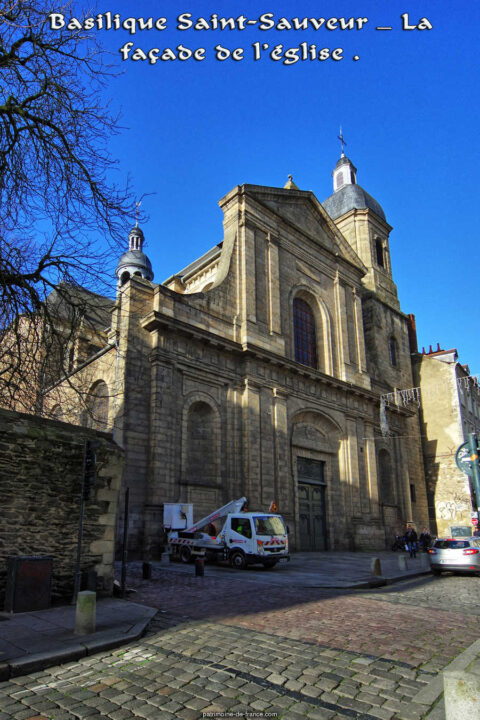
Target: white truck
(230, 533)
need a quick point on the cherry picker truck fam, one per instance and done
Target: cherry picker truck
(230, 534)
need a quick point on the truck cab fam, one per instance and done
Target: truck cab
(255, 538)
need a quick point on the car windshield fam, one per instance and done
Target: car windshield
(451, 544)
(268, 525)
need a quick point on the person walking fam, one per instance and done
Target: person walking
(425, 539)
(411, 538)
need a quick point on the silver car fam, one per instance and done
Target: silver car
(455, 554)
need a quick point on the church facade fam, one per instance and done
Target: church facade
(259, 370)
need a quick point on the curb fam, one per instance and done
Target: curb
(367, 584)
(429, 695)
(74, 650)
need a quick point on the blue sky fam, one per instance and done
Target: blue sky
(409, 111)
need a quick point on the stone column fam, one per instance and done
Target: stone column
(247, 282)
(282, 477)
(251, 443)
(371, 469)
(161, 486)
(403, 479)
(359, 333)
(354, 470)
(273, 285)
(341, 327)
(267, 459)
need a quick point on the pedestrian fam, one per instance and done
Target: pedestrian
(425, 539)
(411, 538)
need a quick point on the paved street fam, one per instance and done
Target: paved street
(227, 643)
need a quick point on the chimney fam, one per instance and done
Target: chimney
(412, 333)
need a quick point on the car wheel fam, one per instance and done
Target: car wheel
(185, 554)
(437, 572)
(238, 560)
(269, 563)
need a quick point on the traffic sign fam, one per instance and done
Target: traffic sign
(464, 460)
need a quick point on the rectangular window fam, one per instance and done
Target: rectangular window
(413, 496)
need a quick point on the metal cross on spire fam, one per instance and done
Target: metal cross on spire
(342, 141)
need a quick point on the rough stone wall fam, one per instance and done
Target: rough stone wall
(453, 506)
(40, 485)
(443, 433)
(381, 323)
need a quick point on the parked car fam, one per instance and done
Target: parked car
(455, 554)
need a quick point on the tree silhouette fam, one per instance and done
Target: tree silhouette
(60, 212)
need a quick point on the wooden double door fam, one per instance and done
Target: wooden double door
(311, 504)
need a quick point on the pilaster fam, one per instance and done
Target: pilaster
(341, 327)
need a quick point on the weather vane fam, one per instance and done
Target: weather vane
(137, 211)
(340, 137)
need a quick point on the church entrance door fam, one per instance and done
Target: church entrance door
(311, 504)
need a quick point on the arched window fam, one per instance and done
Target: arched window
(386, 480)
(393, 349)
(304, 333)
(125, 277)
(379, 253)
(97, 406)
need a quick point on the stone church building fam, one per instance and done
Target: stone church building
(258, 370)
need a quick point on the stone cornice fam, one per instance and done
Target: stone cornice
(155, 321)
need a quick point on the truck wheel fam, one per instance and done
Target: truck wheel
(238, 560)
(185, 554)
(269, 563)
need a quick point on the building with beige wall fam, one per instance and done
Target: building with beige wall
(258, 370)
(450, 410)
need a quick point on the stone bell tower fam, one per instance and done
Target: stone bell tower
(134, 262)
(362, 221)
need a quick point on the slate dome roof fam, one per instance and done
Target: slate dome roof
(136, 230)
(351, 197)
(344, 160)
(135, 258)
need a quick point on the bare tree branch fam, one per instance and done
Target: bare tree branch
(60, 211)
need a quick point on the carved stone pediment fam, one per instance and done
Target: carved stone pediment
(302, 209)
(309, 437)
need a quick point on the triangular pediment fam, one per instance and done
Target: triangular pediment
(301, 209)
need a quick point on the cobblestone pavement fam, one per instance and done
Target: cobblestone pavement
(228, 645)
(454, 592)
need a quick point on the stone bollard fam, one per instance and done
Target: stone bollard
(85, 612)
(200, 565)
(376, 578)
(424, 561)
(461, 691)
(402, 562)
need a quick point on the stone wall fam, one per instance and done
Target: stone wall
(442, 432)
(40, 486)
